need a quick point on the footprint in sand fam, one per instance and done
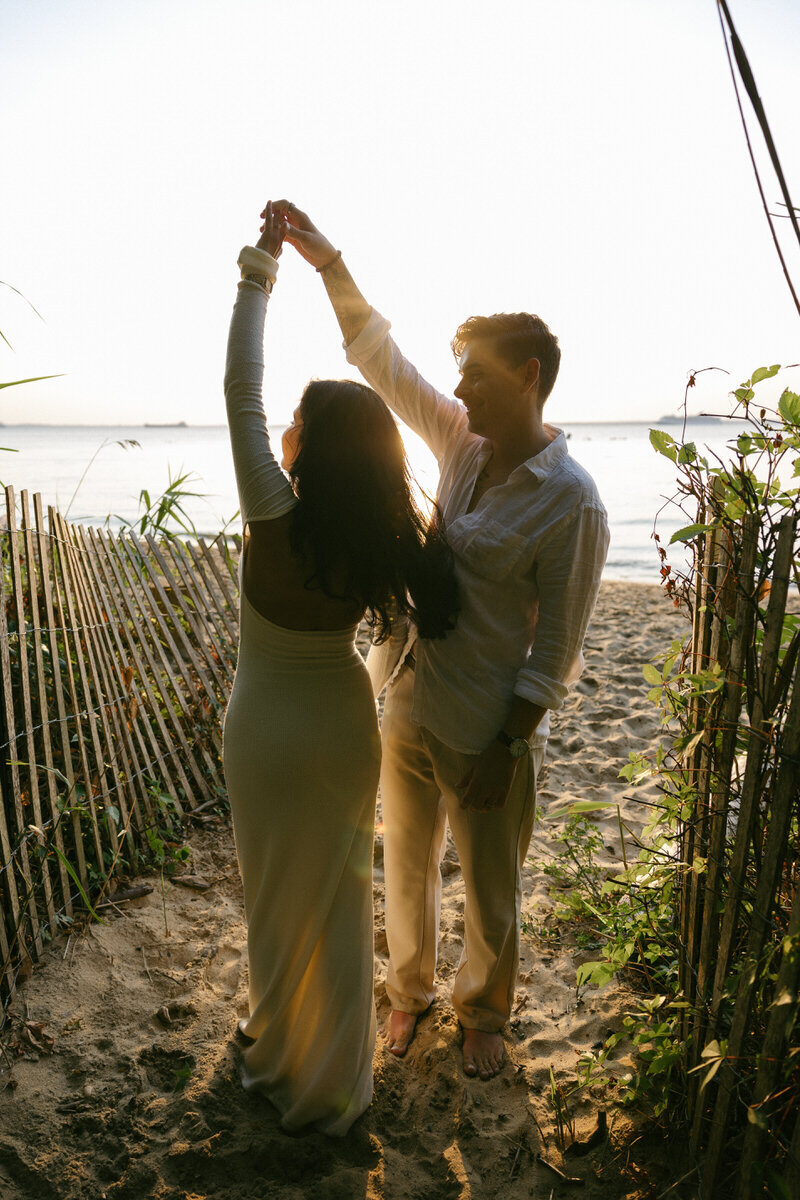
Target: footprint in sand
(609, 713)
(642, 726)
(166, 1070)
(224, 971)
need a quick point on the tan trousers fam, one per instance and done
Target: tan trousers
(419, 775)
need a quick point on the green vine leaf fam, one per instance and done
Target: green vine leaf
(685, 746)
(735, 509)
(764, 373)
(688, 532)
(596, 973)
(664, 444)
(789, 407)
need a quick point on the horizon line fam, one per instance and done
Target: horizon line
(672, 420)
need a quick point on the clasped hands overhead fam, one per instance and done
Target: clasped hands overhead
(283, 221)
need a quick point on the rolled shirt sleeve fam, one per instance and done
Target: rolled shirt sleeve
(568, 569)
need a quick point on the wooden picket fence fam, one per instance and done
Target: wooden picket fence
(739, 911)
(117, 654)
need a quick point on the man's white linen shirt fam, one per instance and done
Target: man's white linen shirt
(528, 560)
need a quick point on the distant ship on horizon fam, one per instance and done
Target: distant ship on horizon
(692, 419)
(165, 425)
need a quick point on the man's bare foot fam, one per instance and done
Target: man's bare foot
(399, 1031)
(484, 1053)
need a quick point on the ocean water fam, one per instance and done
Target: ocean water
(93, 475)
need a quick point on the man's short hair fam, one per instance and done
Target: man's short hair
(518, 336)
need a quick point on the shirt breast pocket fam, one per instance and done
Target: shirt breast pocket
(487, 548)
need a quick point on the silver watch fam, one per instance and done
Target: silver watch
(517, 747)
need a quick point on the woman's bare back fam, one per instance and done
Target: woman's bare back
(275, 583)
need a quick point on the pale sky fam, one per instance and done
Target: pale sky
(578, 159)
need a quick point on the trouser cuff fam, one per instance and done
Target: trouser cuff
(407, 1004)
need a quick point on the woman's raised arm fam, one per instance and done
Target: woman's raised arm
(264, 491)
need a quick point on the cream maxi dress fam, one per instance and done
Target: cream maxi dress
(302, 758)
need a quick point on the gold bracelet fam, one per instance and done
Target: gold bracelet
(335, 259)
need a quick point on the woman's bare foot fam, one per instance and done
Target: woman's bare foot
(399, 1031)
(484, 1053)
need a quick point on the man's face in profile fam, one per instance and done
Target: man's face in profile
(490, 389)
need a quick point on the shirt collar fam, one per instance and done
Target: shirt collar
(543, 463)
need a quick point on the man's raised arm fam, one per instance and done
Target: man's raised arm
(368, 344)
(352, 310)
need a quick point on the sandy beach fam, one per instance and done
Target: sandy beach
(120, 1071)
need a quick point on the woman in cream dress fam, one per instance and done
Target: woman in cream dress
(338, 537)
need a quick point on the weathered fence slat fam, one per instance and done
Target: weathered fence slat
(42, 714)
(25, 754)
(48, 570)
(81, 702)
(29, 768)
(25, 906)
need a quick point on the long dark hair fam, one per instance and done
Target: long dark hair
(357, 526)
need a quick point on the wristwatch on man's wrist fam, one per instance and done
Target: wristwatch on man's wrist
(517, 747)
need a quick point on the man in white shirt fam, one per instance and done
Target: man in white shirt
(466, 719)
